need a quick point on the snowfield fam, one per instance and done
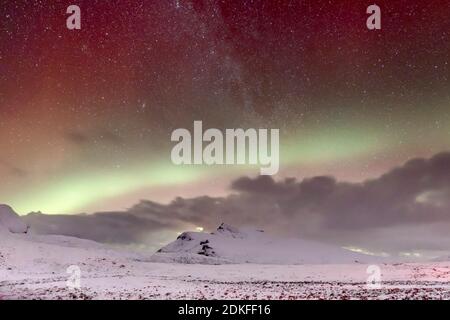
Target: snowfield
(35, 267)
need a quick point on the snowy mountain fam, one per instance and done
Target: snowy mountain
(10, 221)
(232, 245)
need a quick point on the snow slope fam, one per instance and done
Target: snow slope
(232, 245)
(43, 255)
(10, 221)
(36, 267)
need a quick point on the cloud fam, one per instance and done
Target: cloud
(117, 228)
(406, 208)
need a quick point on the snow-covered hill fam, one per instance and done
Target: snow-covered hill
(10, 221)
(34, 254)
(232, 245)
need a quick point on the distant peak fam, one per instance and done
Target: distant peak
(228, 230)
(224, 226)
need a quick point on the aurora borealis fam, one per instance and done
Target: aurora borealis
(86, 115)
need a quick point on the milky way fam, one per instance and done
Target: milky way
(86, 115)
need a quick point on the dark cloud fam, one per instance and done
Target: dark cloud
(262, 185)
(406, 208)
(123, 228)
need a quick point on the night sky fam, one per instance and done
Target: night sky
(86, 115)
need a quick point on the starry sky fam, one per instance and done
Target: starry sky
(86, 115)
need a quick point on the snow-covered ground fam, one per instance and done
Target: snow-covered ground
(36, 267)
